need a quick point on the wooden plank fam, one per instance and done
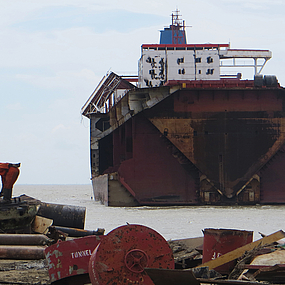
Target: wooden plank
(232, 255)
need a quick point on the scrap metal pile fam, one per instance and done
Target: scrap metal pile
(27, 227)
(136, 254)
(51, 246)
(225, 260)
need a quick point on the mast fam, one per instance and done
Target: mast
(177, 28)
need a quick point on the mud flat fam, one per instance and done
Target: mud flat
(24, 272)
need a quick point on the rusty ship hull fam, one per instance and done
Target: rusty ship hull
(192, 143)
(186, 133)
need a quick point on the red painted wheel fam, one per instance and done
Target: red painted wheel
(122, 255)
(136, 260)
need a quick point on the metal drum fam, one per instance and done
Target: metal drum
(125, 252)
(220, 241)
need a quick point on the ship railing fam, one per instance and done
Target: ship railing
(244, 57)
(231, 76)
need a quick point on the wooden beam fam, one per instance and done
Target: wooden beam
(232, 255)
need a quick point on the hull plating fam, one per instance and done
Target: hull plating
(191, 146)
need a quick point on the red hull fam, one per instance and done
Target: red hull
(200, 142)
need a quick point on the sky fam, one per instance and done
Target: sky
(54, 53)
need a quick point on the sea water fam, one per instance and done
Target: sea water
(177, 222)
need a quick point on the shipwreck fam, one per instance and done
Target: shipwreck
(186, 132)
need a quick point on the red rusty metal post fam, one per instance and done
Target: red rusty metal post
(125, 252)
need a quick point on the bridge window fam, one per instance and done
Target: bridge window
(210, 71)
(180, 60)
(209, 59)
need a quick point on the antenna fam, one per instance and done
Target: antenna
(177, 28)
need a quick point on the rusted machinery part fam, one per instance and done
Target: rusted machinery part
(73, 232)
(70, 258)
(64, 215)
(24, 239)
(21, 252)
(122, 255)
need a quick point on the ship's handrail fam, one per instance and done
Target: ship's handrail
(256, 55)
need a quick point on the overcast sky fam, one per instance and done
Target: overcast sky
(54, 52)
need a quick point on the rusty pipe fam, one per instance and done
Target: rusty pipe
(23, 239)
(73, 232)
(63, 215)
(21, 252)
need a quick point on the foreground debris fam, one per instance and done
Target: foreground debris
(187, 252)
(27, 227)
(259, 262)
(44, 250)
(129, 255)
(237, 253)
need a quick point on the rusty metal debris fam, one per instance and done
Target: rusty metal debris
(70, 258)
(63, 215)
(21, 252)
(124, 253)
(257, 262)
(217, 242)
(17, 216)
(139, 255)
(187, 252)
(24, 239)
(237, 253)
(136, 254)
(24, 236)
(74, 232)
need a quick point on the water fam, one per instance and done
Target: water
(171, 222)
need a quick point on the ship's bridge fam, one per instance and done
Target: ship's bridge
(160, 63)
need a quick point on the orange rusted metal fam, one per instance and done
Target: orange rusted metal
(125, 252)
(220, 241)
(69, 259)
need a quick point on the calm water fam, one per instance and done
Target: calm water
(170, 222)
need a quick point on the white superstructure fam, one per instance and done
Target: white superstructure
(164, 62)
